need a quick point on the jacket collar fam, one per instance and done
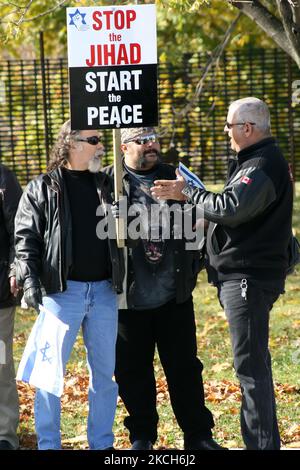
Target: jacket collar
(57, 176)
(248, 152)
(160, 168)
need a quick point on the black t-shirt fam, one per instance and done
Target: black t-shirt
(90, 256)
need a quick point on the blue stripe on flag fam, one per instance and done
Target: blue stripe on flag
(29, 366)
(191, 176)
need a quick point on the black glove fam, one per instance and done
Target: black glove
(33, 297)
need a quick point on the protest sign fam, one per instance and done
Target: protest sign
(112, 57)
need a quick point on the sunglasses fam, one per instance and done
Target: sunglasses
(143, 140)
(93, 140)
(230, 125)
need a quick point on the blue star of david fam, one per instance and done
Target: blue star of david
(44, 352)
(77, 12)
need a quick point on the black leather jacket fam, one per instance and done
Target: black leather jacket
(10, 193)
(187, 263)
(43, 234)
(250, 220)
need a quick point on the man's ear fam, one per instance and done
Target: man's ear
(249, 129)
(123, 147)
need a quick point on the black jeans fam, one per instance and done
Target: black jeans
(172, 328)
(248, 319)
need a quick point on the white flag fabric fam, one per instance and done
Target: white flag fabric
(41, 363)
(190, 177)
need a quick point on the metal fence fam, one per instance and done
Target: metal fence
(34, 102)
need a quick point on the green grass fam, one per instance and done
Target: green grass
(222, 391)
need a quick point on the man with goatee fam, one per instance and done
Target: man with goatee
(157, 308)
(62, 264)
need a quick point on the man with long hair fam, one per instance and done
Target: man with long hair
(62, 264)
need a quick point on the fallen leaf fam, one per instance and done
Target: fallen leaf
(220, 367)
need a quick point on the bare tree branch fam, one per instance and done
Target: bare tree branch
(19, 9)
(286, 13)
(26, 8)
(211, 63)
(50, 10)
(268, 23)
(295, 6)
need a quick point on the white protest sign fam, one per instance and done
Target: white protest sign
(112, 57)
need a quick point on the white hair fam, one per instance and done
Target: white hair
(252, 109)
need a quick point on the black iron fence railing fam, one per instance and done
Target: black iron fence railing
(34, 102)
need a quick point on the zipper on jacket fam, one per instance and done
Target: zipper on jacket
(56, 189)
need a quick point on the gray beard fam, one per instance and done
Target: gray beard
(95, 163)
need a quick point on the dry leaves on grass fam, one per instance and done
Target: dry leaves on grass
(26, 399)
(286, 393)
(221, 366)
(76, 386)
(218, 391)
(28, 441)
(290, 435)
(162, 390)
(20, 339)
(75, 389)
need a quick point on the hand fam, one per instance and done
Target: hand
(13, 286)
(169, 189)
(33, 297)
(201, 224)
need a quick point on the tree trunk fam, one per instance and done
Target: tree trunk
(286, 33)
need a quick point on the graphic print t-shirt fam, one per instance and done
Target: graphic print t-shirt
(152, 260)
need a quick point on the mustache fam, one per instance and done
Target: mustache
(146, 152)
(143, 158)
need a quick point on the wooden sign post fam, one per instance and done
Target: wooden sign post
(118, 171)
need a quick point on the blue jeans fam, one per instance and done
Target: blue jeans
(92, 305)
(248, 318)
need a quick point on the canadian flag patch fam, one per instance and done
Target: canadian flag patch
(246, 180)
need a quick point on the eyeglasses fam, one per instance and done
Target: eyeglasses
(143, 140)
(230, 125)
(93, 140)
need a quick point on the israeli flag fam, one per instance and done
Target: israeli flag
(190, 177)
(41, 364)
